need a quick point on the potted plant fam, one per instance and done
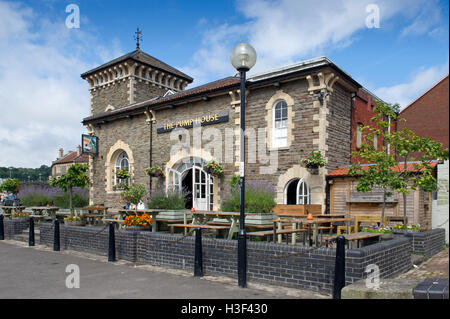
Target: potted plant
(313, 161)
(74, 221)
(122, 173)
(213, 168)
(172, 203)
(386, 231)
(259, 202)
(142, 222)
(155, 171)
(19, 215)
(134, 195)
(403, 229)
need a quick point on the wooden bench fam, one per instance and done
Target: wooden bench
(356, 237)
(212, 227)
(274, 233)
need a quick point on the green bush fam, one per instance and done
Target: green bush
(36, 200)
(259, 198)
(10, 186)
(171, 200)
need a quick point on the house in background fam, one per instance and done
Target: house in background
(63, 162)
(427, 116)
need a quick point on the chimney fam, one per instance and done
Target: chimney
(61, 153)
(79, 150)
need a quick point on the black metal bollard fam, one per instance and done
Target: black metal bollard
(198, 257)
(31, 232)
(339, 272)
(112, 244)
(2, 229)
(56, 239)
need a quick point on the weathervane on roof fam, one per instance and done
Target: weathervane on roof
(138, 37)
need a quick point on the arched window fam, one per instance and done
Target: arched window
(280, 124)
(122, 162)
(150, 75)
(297, 192)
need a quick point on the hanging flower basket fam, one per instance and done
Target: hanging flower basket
(155, 171)
(213, 168)
(122, 173)
(313, 161)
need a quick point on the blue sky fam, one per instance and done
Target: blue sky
(41, 59)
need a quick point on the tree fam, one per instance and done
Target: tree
(405, 144)
(10, 186)
(379, 172)
(75, 177)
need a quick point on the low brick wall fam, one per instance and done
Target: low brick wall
(269, 263)
(278, 264)
(427, 243)
(91, 239)
(392, 257)
(14, 227)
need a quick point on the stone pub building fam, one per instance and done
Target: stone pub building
(140, 110)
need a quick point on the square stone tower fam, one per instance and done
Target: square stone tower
(131, 78)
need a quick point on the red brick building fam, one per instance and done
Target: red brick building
(428, 115)
(362, 112)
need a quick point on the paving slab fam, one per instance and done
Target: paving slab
(38, 272)
(388, 289)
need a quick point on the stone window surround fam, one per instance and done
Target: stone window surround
(280, 95)
(182, 154)
(298, 172)
(110, 164)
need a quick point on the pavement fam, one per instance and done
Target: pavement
(435, 267)
(38, 272)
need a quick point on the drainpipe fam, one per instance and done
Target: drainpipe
(351, 124)
(327, 195)
(151, 149)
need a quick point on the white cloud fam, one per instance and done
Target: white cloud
(287, 31)
(417, 84)
(42, 97)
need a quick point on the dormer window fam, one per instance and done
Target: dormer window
(116, 75)
(101, 79)
(121, 73)
(150, 75)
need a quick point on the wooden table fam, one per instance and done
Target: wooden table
(205, 217)
(94, 219)
(152, 212)
(99, 210)
(44, 211)
(7, 210)
(357, 237)
(309, 223)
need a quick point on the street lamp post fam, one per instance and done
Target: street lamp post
(243, 58)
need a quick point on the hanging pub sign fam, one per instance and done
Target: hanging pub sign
(208, 119)
(89, 144)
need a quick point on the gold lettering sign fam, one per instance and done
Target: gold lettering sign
(198, 120)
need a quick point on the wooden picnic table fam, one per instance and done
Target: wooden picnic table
(152, 212)
(313, 222)
(99, 210)
(357, 237)
(7, 210)
(94, 219)
(44, 211)
(206, 218)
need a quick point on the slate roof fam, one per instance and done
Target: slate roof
(72, 157)
(142, 57)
